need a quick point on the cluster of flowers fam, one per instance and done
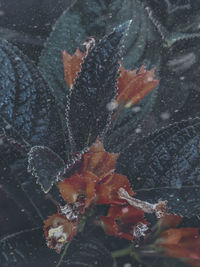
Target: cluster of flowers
(97, 183)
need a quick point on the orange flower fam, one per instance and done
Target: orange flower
(122, 221)
(72, 65)
(132, 86)
(79, 188)
(183, 243)
(108, 187)
(58, 231)
(98, 161)
(96, 182)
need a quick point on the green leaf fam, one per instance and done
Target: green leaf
(94, 88)
(25, 248)
(166, 165)
(27, 107)
(45, 165)
(97, 18)
(88, 252)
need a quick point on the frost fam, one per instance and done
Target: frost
(139, 230)
(160, 208)
(71, 210)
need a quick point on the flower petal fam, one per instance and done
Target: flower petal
(107, 189)
(132, 86)
(98, 161)
(181, 243)
(121, 221)
(72, 65)
(58, 231)
(79, 188)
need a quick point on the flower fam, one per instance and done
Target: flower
(107, 189)
(99, 161)
(182, 243)
(72, 65)
(58, 231)
(96, 182)
(133, 86)
(160, 209)
(122, 221)
(80, 187)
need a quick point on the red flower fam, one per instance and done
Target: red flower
(96, 182)
(107, 189)
(132, 86)
(123, 221)
(72, 65)
(98, 161)
(182, 243)
(58, 231)
(79, 188)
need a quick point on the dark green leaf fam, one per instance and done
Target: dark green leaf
(45, 165)
(98, 18)
(166, 165)
(27, 106)
(94, 88)
(123, 131)
(25, 248)
(88, 252)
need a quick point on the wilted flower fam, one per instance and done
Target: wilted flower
(58, 231)
(122, 220)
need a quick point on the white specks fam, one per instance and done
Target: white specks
(165, 115)
(112, 105)
(182, 78)
(149, 78)
(2, 13)
(136, 109)
(127, 265)
(57, 233)
(139, 230)
(8, 126)
(71, 210)
(138, 130)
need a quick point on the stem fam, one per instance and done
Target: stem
(63, 254)
(122, 252)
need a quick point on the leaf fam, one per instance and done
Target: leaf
(166, 165)
(27, 106)
(94, 88)
(87, 251)
(98, 18)
(25, 248)
(46, 165)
